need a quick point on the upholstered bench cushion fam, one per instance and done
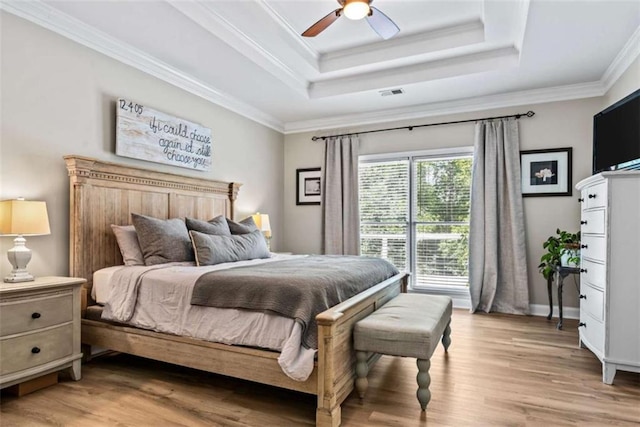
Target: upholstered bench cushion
(409, 325)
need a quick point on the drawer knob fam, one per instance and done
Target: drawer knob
(592, 196)
(584, 246)
(583, 222)
(583, 296)
(580, 200)
(35, 350)
(35, 315)
(581, 324)
(583, 270)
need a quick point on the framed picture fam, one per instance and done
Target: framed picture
(308, 186)
(546, 172)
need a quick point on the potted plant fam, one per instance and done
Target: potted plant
(562, 249)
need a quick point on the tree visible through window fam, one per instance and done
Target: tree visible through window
(414, 211)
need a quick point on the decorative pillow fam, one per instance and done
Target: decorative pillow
(162, 240)
(127, 239)
(213, 249)
(245, 226)
(217, 225)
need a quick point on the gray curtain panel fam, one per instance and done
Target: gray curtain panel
(340, 212)
(497, 254)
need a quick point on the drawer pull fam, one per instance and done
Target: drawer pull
(35, 350)
(583, 222)
(35, 315)
(584, 246)
(583, 270)
(580, 200)
(583, 296)
(581, 324)
(592, 196)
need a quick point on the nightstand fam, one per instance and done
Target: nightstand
(39, 329)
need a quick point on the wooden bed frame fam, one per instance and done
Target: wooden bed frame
(104, 193)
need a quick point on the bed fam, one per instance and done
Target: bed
(103, 193)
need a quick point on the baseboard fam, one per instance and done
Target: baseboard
(543, 310)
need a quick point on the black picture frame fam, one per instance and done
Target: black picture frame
(308, 186)
(546, 172)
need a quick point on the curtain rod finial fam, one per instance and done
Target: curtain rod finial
(530, 113)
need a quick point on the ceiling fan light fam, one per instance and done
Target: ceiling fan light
(356, 9)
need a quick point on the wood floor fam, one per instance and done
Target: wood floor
(500, 371)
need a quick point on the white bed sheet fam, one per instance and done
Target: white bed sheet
(163, 305)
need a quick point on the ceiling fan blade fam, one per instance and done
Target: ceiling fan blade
(382, 24)
(322, 24)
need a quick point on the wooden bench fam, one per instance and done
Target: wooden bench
(410, 325)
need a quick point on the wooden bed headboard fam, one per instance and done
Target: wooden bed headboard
(102, 193)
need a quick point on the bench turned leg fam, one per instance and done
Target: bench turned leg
(362, 370)
(446, 337)
(424, 380)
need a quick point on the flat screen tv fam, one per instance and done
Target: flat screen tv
(616, 135)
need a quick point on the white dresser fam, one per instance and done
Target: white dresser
(610, 270)
(39, 328)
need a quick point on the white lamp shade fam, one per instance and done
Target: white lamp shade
(356, 9)
(23, 217)
(262, 222)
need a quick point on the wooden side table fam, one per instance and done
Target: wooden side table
(559, 273)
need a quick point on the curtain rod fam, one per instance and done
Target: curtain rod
(517, 116)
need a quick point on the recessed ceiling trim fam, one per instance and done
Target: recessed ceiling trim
(622, 61)
(455, 35)
(48, 17)
(216, 24)
(490, 59)
(513, 99)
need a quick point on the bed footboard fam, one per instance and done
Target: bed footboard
(336, 357)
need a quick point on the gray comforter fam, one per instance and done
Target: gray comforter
(297, 288)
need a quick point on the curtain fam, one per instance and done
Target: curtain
(340, 214)
(497, 254)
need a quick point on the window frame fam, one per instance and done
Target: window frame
(457, 292)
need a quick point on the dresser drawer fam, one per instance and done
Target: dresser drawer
(594, 248)
(22, 315)
(593, 273)
(592, 222)
(593, 332)
(592, 301)
(595, 196)
(35, 349)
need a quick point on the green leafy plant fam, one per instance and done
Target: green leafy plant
(556, 246)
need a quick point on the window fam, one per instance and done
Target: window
(414, 212)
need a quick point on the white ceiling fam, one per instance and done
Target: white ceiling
(450, 55)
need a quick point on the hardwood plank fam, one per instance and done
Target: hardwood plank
(500, 370)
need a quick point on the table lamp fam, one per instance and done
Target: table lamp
(262, 222)
(22, 218)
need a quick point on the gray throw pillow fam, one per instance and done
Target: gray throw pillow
(127, 239)
(213, 249)
(245, 226)
(162, 240)
(217, 225)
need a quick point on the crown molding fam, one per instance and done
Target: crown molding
(622, 61)
(52, 19)
(513, 99)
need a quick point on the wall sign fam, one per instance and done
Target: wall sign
(146, 134)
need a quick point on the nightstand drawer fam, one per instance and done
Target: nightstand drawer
(35, 349)
(595, 195)
(593, 332)
(22, 315)
(592, 222)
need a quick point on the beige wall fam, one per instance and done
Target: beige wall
(628, 82)
(58, 97)
(559, 124)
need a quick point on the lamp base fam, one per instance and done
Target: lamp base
(19, 276)
(19, 256)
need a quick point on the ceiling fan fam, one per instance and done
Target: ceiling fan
(357, 9)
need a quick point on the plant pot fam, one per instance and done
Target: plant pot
(567, 255)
